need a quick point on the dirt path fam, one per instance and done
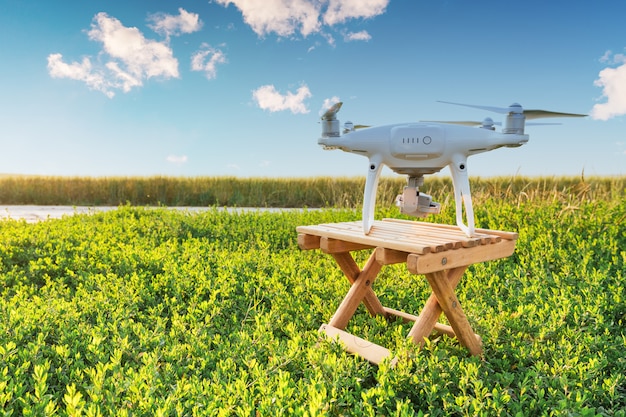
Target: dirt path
(34, 214)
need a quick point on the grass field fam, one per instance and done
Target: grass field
(280, 192)
(165, 313)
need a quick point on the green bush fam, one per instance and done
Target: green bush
(152, 312)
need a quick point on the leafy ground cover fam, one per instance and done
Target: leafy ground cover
(161, 313)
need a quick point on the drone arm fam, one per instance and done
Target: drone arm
(462, 196)
(369, 197)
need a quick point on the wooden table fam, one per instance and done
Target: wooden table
(440, 252)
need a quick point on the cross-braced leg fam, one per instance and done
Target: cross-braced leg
(432, 310)
(449, 303)
(351, 270)
(358, 291)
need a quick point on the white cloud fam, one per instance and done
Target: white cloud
(268, 98)
(357, 36)
(619, 59)
(610, 58)
(329, 38)
(131, 59)
(82, 71)
(606, 57)
(265, 163)
(283, 17)
(207, 59)
(341, 10)
(286, 17)
(177, 159)
(126, 80)
(142, 57)
(168, 25)
(613, 84)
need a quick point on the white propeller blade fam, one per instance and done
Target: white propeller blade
(516, 108)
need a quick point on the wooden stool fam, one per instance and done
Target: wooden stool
(440, 252)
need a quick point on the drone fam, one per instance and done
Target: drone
(422, 148)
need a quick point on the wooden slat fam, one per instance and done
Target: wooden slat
(402, 239)
(431, 232)
(353, 232)
(431, 262)
(502, 234)
(354, 344)
(405, 235)
(433, 229)
(451, 232)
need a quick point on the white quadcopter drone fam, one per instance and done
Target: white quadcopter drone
(418, 149)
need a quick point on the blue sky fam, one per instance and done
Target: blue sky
(235, 87)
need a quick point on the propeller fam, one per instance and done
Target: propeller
(516, 108)
(332, 111)
(487, 122)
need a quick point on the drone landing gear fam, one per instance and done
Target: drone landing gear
(415, 203)
(462, 196)
(369, 198)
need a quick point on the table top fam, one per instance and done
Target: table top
(407, 236)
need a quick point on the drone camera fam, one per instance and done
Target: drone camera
(414, 203)
(417, 204)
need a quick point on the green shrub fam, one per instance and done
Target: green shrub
(153, 312)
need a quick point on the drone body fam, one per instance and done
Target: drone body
(418, 149)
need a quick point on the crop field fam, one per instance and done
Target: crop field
(153, 312)
(312, 192)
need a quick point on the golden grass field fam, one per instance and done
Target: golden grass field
(345, 192)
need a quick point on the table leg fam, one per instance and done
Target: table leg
(357, 293)
(449, 303)
(431, 312)
(351, 270)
